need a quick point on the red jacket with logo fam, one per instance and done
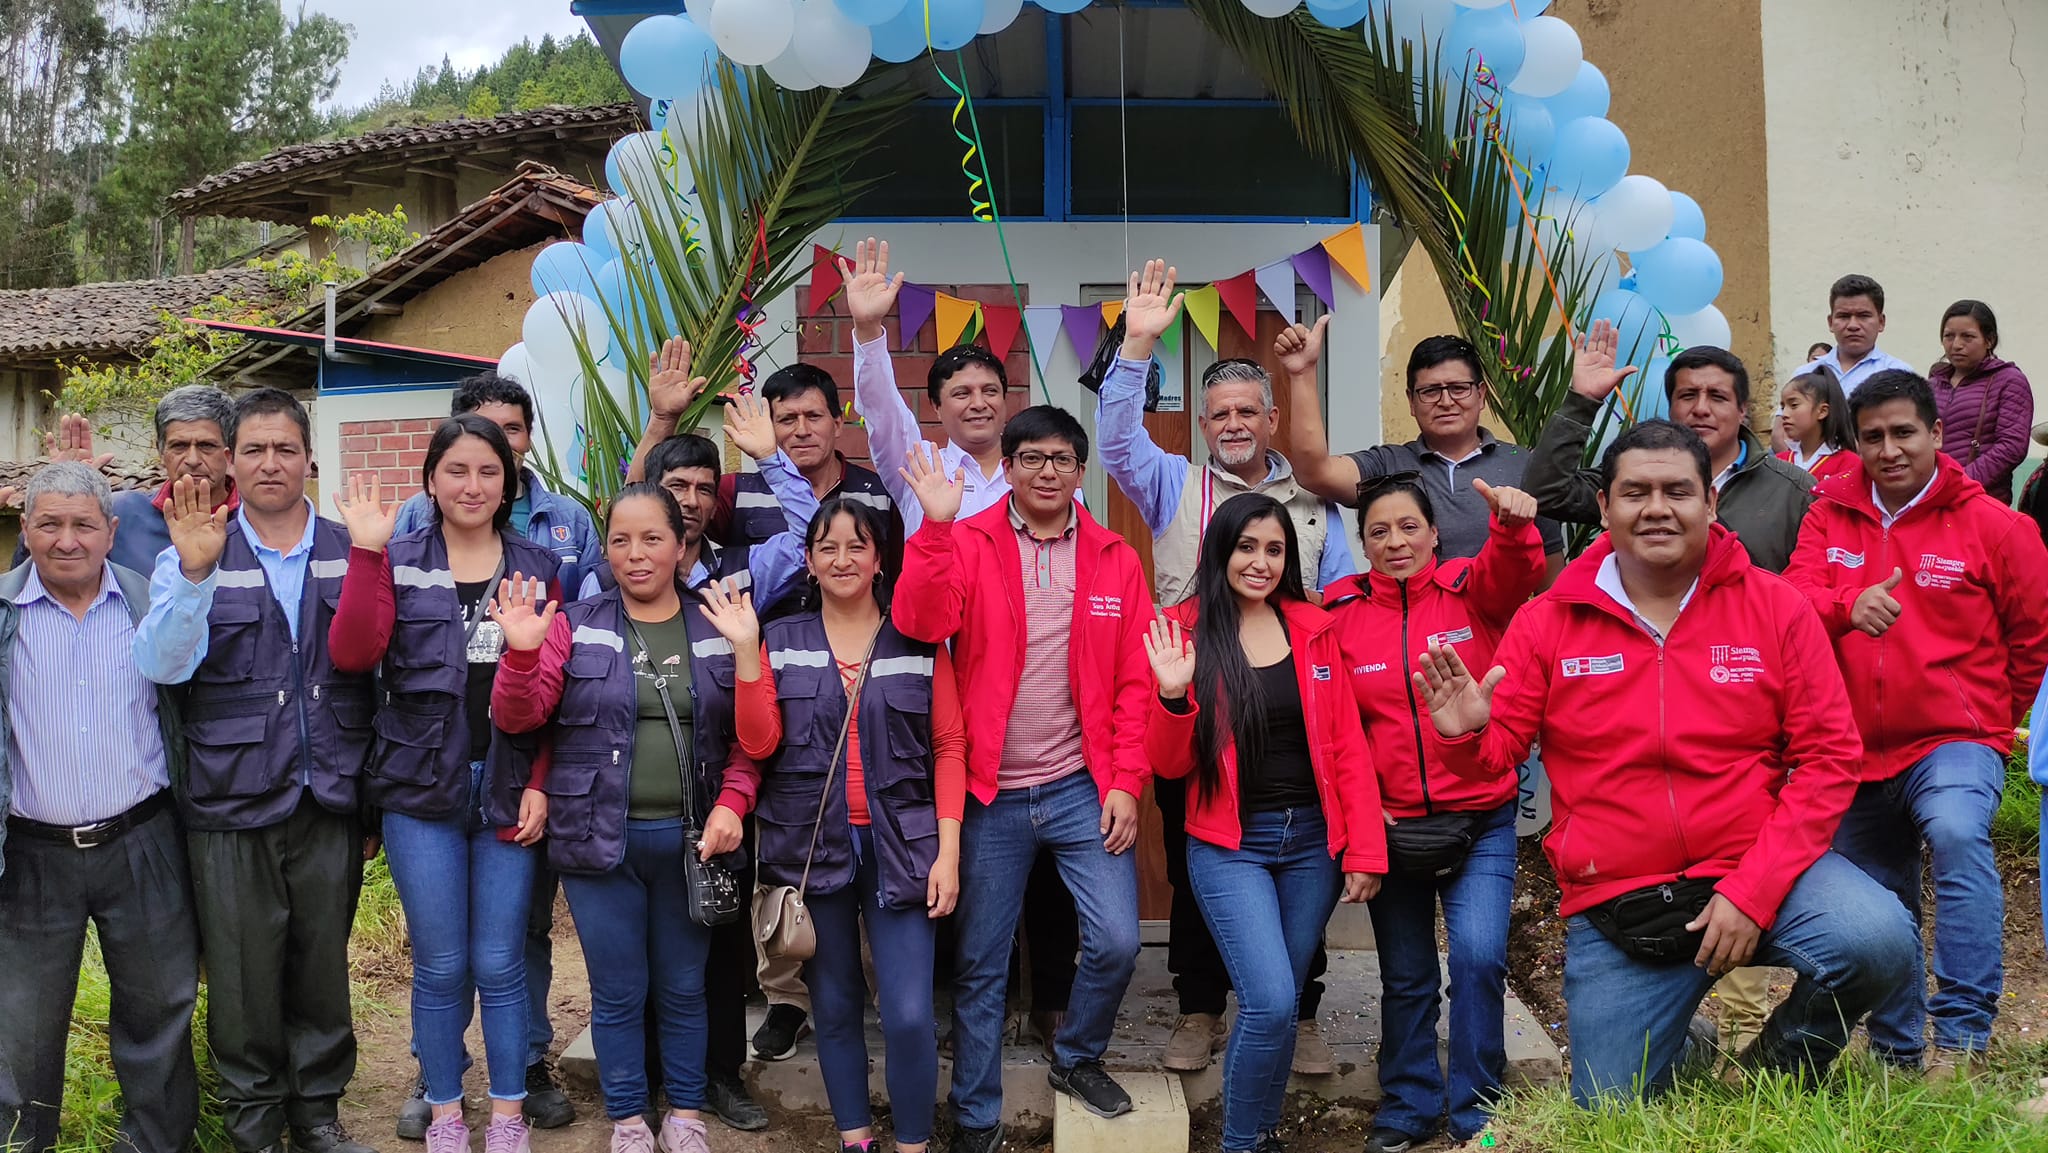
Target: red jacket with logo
(1965, 657)
(1725, 751)
(1383, 624)
(1336, 742)
(963, 581)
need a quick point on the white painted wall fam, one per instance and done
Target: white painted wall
(1908, 140)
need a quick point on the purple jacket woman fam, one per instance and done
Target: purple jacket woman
(1984, 420)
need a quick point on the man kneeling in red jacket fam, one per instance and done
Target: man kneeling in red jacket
(1701, 753)
(1931, 589)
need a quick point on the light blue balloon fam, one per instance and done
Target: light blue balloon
(1687, 220)
(1679, 276)
(872, 13)
(1488, 34)
(1343, 14)
(1591, 156)
(1586, 95)
(1530, 9)
(566, 266)
(1531, 133)
(610, 283)
(1646, 401)
(1635, 320)
(953, 22)
(657, 112)
(597, 237)
(901, 39)
(666, 55)
(1064, 7)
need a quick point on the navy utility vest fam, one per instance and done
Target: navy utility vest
(895, 734)
(757, 517)
(594, 726)
(419, 764)
(267, 716)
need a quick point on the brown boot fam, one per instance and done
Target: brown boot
(1196, 1039)
(1947, 1065)
(1313, 1056)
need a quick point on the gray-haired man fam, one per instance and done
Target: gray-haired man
(85, 774)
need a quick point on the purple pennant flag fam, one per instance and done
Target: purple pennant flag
(913, 307)
(1082, 322)
(1312, 264)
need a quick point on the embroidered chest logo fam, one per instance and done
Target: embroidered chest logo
(1938, 572)
(1375, 667)
(1449, 637)
(1734, 664)
(1103, 605)
(1319, 672)
(1590, 666)
(1845, 558)
(561, 532)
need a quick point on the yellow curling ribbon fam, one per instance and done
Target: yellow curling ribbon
(981, 205)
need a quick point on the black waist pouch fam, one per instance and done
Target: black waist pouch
(1649, 923)
(1435, 845)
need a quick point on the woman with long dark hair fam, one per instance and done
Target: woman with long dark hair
(863, 778)
(1255, 709)
(462, 801)
(1986, 404)
(639, 687)
(1449, 839)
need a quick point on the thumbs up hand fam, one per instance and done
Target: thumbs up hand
(1875, 610)
(1512, 507)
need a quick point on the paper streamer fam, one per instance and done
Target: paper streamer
(954, 315)
(1240, 296)
(1276, 281)
(913, 307)
(825, 279)
(1043, 323)
(1000, 322)
(1082, 322)
(1312, 265)
(1346, 249)
(1202, 306)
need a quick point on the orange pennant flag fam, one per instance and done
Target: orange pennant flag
(1111, 309)
(954, 314)
(1347, 251)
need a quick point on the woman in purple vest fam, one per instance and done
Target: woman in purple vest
(461, 801)
(872, 834)
(639, 688)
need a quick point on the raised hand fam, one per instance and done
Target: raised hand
(869, 289)
(73, 441)
(1299, 347)
(748, 425)
(1172, 653)
(1149, 309)
(519, 611)
(198, 530)
(10, 496)
(1875, 609)
(670, 387)
(731, 612)
(369, 520)
(938, 494)
(1456, 703)
(1593, 373)
(1512, 507)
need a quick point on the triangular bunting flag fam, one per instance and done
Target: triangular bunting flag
(825, 278)
(1111, 309)
(1202, 305)
(1170, 338)
(1240, 296)
(1276, 281)
(913, 307)
(1312, 264)
(1347, 249)
(954, 316)
(1000, 322)
(1082, 323)
(1042, 324)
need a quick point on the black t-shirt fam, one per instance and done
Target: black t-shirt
(486, 645)
(1285, 778)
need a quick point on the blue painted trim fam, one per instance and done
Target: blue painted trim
(625, 7)
(365, 389)
(1151, 102)
(1057, 196)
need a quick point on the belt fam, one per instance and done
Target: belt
(96, 834)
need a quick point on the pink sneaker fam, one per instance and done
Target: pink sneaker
(632, 1137)
(507, 1134)
(680, 1135)
(448, 1135)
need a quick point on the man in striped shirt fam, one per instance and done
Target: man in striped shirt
(85, 782)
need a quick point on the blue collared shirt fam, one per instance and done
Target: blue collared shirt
(171, 641)
(1876, 361)
(82, 741)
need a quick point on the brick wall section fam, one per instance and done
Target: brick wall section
(394, 450)
(826, 340)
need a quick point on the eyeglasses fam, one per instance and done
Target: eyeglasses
(1455, 389)
(1064, 463)
(1370, 488)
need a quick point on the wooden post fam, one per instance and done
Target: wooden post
(188, 227)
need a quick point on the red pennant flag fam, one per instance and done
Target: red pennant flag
(999, 324)
(1240, 296)
(825, 279)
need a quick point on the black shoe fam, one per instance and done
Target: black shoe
(727, 1097)
(546, 1106)
(1385, 1140)
(415, 1115)
(328, 1138)
(1270, 1143)
(1087, 1083)
(967, 1140)
(776, 1039)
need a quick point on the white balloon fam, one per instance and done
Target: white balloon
(642, 163)
(789, 72)
(699, 12)
(1271, 9)
(556, 323)
(999, 14)
(753, 31)
(1552, 58)
(559, 408)
(1636, 213)
(514, 364)
(1481, 3)
(628, 231)
(619, 384)
(1414, 19)
(829, 45)
(1705, 327)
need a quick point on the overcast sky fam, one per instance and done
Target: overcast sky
(395, 38)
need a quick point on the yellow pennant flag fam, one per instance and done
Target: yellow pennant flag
(954, 315)
(1111, 309)
(1203, 305)
(1347, 251)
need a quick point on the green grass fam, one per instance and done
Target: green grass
(2016, 826)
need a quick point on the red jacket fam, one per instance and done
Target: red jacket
(962, 580)
(1965, 657)
(1384, 624)
(1726, 751)
(1336, 742)
(1833, 464)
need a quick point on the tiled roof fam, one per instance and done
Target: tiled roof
(118, 317)
(121, 475)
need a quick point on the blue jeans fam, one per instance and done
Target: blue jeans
(640, 945)
(1266, 903)
(1946, 799)
(998, 843)
(1476, 902)
(464, 894)
(902, 943)
(1848, 938)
